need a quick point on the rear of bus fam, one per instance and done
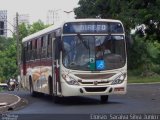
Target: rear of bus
(93, 58)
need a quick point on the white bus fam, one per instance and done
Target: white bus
(77, 58)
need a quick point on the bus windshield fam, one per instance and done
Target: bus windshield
(94, 52)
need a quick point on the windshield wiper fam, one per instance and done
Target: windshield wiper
(82, 40)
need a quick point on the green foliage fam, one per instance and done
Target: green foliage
(137, 54)
(144, 55)
(139, 79)
(36, 26)
(8, 66)
(154, 51)
(8, 47)
(1, 90)
(4, 42)
(23, 31)
(86, 9)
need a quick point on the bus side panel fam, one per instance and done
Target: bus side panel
(45, 73)
(23, 66)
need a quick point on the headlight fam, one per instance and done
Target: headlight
(119, 79)
(70, 80)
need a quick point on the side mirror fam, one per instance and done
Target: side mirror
(58, 47)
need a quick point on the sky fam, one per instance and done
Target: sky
(37, 9)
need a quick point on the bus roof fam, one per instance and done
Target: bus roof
(41, 32)
(54, 27)
(92, 20)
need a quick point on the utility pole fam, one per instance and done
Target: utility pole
(18, 52)
(18, 46)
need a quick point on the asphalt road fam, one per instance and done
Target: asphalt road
(140, 99)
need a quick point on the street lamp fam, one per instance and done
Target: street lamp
(68, 14)
(68, 11)
(18, 45)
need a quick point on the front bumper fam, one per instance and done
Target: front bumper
(74, 90)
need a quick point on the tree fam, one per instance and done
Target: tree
(8, 47)
(4, 42)
(8, 66)
(36, 26)
(23, 30)
(132, 13)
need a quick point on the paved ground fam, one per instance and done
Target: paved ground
(10, 102)
(140, 99)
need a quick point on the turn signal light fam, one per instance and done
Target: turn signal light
(119, 89)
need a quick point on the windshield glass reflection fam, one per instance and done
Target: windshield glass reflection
(94, 53)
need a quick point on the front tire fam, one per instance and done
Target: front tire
(56, 99)
(32, 92)
(104, 98)
(50, 84)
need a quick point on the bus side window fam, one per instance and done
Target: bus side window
(28, 51)
(31, 50)
(38, 48)
(24, 51)
(58, 47)
(42, 38)
(49, 46)
(41, 42)
(35, 49)
(43, 46)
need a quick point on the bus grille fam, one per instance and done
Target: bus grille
(95, 76)
(92, 83)
(95, 89)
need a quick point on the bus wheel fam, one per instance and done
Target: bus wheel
(104, 98)
(32, 92)
(50, 84)
(56, 99)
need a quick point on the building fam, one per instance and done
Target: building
(22, 18)
(50, 17)
(54, 16)
(3, 23)
(58, 16)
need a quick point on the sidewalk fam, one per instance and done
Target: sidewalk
(8, 102)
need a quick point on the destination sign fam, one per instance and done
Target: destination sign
(92, 27)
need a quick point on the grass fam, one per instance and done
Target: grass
(0, 89)
(135, 76)
(139, 79)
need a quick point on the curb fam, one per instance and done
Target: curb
(11, 106)
(152, 83)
